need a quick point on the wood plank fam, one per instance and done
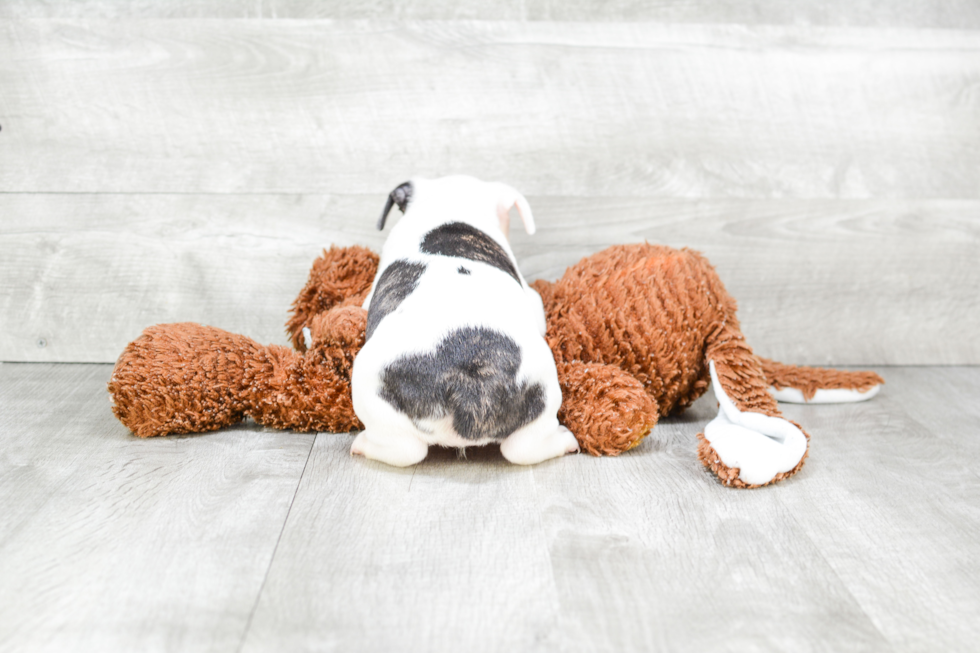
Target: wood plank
(91, 272)
(650, 552)
(446, 556)
(908, 13)
(110, 543)
(817, 282)
(941, 399)
(874, 13)
(558, 109)
(827, 282)
(894, 508)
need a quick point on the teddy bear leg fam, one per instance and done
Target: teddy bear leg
(181, 378)
(748, 444)
(607, 409)
(798, 384)
(538, 442)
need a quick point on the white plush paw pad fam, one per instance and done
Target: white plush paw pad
(760, 450)
(758, 445)
(307, 337)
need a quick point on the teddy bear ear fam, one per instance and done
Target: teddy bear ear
(508, 197)
(401, 196)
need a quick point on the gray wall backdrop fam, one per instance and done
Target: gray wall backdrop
(187, 160)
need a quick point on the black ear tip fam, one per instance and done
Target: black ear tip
(401, 196)
(384, 214)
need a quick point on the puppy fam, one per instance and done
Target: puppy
(455, 353)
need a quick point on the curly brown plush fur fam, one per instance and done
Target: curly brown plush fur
(607, 409)
(187, 378)
(632, 329)
(341, 276)
(810, 379)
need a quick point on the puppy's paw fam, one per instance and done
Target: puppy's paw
(394, 448)
(571, 442)
(529, 446)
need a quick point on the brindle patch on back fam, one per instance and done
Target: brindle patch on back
(396, 283)
(472, 377)
(465, 241)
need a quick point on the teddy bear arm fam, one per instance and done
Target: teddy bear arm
(303, 392)
(341, 276)
(312, 391)
(341, 328)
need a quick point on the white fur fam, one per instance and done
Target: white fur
(823, 396)
(445, 300)
(758, 445)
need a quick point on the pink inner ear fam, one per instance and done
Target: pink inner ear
(504, 215)
(509, 198)
(524, 210)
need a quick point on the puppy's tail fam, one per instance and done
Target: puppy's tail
(798, 384)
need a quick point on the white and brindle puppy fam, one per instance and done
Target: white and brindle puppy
(455, 353)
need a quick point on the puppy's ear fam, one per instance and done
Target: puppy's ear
(400, 196)
(507, 198)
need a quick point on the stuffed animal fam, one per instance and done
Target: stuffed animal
(637, 331)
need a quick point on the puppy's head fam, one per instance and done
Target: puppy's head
(485, 205)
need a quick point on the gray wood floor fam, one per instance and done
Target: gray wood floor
(251, 540)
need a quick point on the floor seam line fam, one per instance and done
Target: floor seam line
(539, 513)
(275, 549)
(833, 569)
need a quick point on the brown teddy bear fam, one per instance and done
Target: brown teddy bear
(638, 331)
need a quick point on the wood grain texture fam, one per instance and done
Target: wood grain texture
(956, 14)
(894, 507)
(110, 543)
(650, 552)
(558, 109)
(826, 282)
(85, 274)
(445, 556)
(942, 400)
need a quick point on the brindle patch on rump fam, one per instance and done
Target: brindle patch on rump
(472, 377)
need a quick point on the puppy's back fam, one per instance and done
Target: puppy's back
(454, 352)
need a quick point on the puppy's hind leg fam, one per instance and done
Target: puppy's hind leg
(538, 441)
(389, 435)
(392, 446)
